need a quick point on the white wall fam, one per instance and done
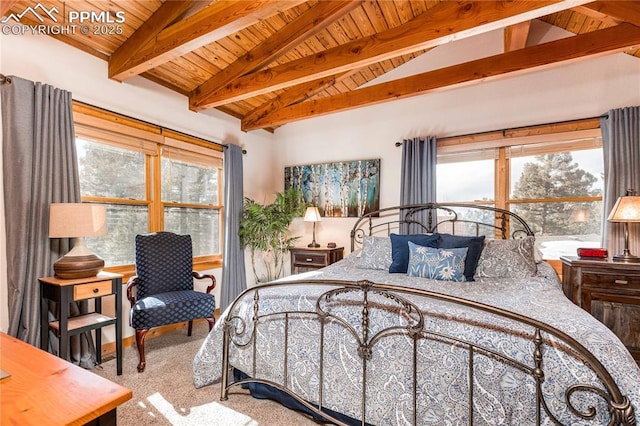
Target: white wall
(41, 58)
(580, 90)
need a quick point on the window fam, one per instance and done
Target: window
(560, 195)
(150, 179)
(552, 178)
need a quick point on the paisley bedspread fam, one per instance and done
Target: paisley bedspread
(501, 392)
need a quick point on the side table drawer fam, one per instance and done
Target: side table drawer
(621, 281)
(88, 291)
(314, 259)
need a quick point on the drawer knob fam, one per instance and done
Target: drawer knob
(621, 282)
(95, 290)
(309, 259)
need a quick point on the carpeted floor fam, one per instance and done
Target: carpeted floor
(164, 394)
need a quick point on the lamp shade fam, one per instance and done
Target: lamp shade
(580, 215)
(626, 209)
(71, 220)
(312, 215)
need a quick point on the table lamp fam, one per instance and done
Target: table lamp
(77, 220)
(626, 210)
(313, 215)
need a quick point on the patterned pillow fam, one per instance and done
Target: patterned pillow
(435, 263)
(400, 249)
(507, 259)
(376, 253)
(474, 246)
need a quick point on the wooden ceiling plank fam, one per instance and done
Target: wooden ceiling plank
(373, 12)
(594, 14)
(308, 24)
(515, 36)
(598, 43)
(6, 5)
(626, 11)
(210, 24)
(362, 22)
(444, 23)
(162, 17)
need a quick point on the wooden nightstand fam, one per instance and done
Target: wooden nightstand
(63, 292)
(305, 259)
(610, 291)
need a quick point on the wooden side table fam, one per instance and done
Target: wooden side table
(63, 292)
(610, 291)
(306, 259)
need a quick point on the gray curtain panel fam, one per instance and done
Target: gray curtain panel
(39, 168)
(621, 145)
(418, 178)
(234, 279)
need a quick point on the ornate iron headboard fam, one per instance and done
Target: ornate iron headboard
(452, 218)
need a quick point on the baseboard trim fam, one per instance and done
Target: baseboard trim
(110, 348)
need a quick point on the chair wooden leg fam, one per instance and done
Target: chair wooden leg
(189, 328)
(212, 322)
(140, 335)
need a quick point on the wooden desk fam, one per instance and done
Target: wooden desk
(63, 292)
(46, 390)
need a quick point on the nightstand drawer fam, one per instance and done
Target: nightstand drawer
(88, 291)
(610, 291)
(604, 279)
(307, 258)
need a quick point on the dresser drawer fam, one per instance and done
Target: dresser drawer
(310, 258)
(605, 279)
(87, 291)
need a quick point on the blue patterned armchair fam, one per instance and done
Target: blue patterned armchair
(162, 291)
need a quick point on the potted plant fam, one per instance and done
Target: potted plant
(264, 230)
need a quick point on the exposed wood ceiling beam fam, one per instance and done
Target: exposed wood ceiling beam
(627, 11)
(443, 23)
(296, 94)
(160, 19)
(515, 36)
(596, 43)
(210, 24)
(306, 25)
(293, 95)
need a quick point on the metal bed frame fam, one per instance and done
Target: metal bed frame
(367, 296)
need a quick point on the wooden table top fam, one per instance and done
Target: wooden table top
(44, 389)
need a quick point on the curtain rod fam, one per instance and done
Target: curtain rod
(4, 79)
(606, 115)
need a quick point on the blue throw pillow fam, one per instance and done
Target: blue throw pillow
(473, 244)
(400, 249)
(435, 263)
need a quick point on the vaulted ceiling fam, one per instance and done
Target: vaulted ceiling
(273, 62)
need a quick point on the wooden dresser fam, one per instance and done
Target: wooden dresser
(304, 259)
(610, 291)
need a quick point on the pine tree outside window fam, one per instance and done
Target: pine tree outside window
(555, 185)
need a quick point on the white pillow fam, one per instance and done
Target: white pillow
(375, 254)
(507, 259)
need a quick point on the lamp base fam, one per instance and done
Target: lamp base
(313, 244)
(72, 267)
(626, 258)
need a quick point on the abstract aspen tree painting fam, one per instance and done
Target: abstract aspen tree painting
(341, 189)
